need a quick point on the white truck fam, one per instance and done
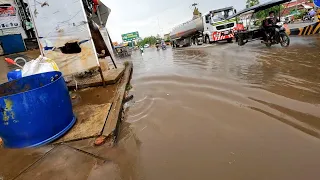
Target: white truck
(208, 28)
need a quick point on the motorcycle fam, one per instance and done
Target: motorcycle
(279, 36)
(158, 47)
(141, 49)
(308, 18)
(164, 47)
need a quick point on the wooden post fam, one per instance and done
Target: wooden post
(102, 78)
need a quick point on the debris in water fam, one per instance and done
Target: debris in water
(74, 96)
(100, 141)
(128, 98)
(128, 87)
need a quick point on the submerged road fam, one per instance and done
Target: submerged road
(224, 112)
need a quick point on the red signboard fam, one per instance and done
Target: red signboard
(8, 17)
(6, 11)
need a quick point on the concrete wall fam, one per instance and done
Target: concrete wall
(306, 30)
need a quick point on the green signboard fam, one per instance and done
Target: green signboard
(130, 36)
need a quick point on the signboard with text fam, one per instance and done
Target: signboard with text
(130, 36)
(8, 17)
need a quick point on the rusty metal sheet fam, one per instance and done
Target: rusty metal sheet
(64, 34)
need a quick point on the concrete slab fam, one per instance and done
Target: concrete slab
(15, 161)
(110, 76)
(67, 163)
(104, 151)
(108, 151)
(303, 29)
(90, 122)
(124, 154)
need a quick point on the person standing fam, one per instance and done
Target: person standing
(29, 28)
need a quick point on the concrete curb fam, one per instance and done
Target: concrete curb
(307, 30)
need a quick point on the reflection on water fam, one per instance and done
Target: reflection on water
(226, 112)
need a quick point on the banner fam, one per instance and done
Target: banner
(130, 36)
(8, 17)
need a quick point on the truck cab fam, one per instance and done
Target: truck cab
(216, 27)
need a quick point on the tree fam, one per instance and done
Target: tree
(265, 13)
(148, 40)
(250, 3)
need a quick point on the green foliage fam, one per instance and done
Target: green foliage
(148, 40)
(128, 87)
(126, 63)
(250, 3)
(265, 13)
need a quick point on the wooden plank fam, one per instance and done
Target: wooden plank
(90, 122)
(113, 118)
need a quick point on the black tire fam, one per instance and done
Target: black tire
(207, 39)
(229, 40)
(240, 41)
(174, 44)
(197, 41)
(268, 44)
(285, 40)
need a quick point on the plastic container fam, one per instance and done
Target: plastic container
(34, 110)
(15, 74)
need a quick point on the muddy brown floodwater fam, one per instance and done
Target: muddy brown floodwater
(224, 112)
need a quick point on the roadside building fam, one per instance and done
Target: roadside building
(294, 7)
(16, 27)
(166, 37)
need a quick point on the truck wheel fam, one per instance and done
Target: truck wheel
(229, 40)
(240, 41)
(207, 39)
(196, 41)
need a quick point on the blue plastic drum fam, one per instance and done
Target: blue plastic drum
(34, 110)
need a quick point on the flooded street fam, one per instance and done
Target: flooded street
(224, 112)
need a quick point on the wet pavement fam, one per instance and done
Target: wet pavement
(224, 112)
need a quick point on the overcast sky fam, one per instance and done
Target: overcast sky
(152, 17)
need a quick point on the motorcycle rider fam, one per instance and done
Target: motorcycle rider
(141, 49)
(312, 13)
(157, 44)
(163, 44)
(269, 25)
